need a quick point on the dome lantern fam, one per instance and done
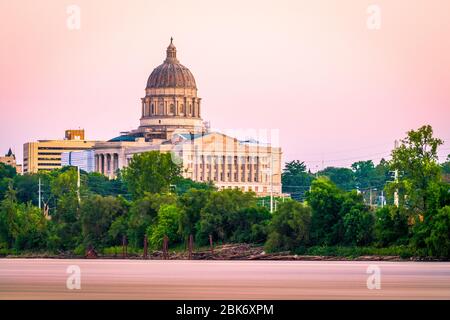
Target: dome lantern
(171, 53)
(171, 74)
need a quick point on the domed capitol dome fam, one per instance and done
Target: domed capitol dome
(171, 74)
(171, 101)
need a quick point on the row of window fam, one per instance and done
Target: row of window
(62, 148)
(244, 178)
(171, 110)
(49, 153)
(243, 188)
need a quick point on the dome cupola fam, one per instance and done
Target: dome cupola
(171, 74)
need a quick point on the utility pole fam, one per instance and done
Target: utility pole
(271, 182)
(396, 178)
(40, 197)
(78, 184)
(396, 190)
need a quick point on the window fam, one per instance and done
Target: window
(153, 109)
(172, 108)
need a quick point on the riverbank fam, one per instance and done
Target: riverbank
(245, 252)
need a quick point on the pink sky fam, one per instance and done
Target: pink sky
(337, 91)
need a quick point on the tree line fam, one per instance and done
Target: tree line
(151, 198)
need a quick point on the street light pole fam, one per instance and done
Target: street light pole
(271, 182)
(40, 197)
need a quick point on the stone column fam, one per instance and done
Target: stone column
(108, 164)
(115, 164)
(102, 163)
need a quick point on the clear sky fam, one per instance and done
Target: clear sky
(337, 90)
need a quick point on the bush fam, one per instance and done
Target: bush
(97, 213)
(438, 243)
(167, 224)
(290, 227)
(358, 225)
(391, 226)
(223, 214)
(354, 252)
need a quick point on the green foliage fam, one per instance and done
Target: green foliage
(7, 173)
(97, 213)
(358, 227)
(290, 227)
(295, 178)
(99, 184)
(446, 166)
(22, 226)
(338, 217)
(353, 252)
(166, 224)
(222, 214)
(325, 199)
(358, 222)
(364, 172)
(143, 213)
(391, 226)
(152, 172)
(416, 161)
(66, 215)
(334, 220)
(343, 178)
(438, 243)
(183, 185)
(192, 202)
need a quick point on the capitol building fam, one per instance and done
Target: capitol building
(171, 122)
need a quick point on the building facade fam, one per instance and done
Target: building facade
(82, 159)
(45, 155)
(171, 122)
(10, 159)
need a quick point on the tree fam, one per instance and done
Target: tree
(143, 213)
(192, 202)
(7, 173)
(342, 177)
(250, 225)
(152, 172)
(325, 199)
(446, 166)
(290, 227)
(184, 185)
(364, 172)
(22, 226)
(66, 215)
(221, 214)
(419, 184)
(391, 226)
(97, 213)
(294, 178)
(358, 221)
(438, 242)
(98, 183)
(166, 224)
(416, 160)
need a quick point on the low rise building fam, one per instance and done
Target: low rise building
(45, 155)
